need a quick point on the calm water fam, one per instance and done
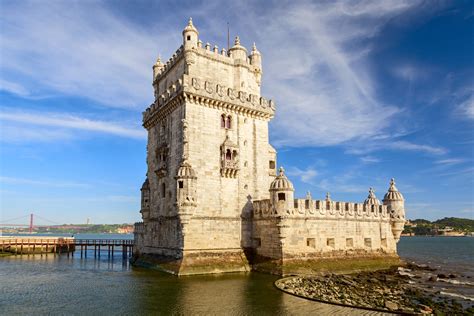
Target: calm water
(61, 285)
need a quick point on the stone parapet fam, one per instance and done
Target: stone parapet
(322, 209)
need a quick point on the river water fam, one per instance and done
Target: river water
(74, 286)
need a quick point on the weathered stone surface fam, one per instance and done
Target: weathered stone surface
(212, 184)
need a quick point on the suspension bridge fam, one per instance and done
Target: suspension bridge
(27, 221)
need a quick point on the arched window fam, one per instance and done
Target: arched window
(234, 154)
(228, 122)
(222, 121)
(228, 155)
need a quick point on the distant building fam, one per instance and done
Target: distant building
(213, 200)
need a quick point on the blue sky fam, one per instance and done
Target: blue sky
(365, 91)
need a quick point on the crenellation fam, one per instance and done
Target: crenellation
(212, 184)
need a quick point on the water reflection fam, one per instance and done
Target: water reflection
(61, 285)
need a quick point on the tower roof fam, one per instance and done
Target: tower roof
(393, 194)
(281, 182)
(158, 63)
(185, 170)
(371, 199)
(255, 50)
(237, 45)
(190, 27)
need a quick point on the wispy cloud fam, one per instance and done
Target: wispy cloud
(449, 161)
(79, 49)
(466, 108)
(369, 159)
(307, 176)
(406, 145)
(48, 183)
(64, 122)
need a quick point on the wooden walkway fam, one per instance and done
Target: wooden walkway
(66, 245)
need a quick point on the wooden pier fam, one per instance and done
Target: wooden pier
(65, 245)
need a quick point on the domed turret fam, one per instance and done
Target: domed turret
(371, 199)
(396, 206)
(255, 57)
(281, 182)
(186, 186)
(190, 35)
(157, 68)
(238, 51)
(281, 193)
(393, 194)
(185, 171)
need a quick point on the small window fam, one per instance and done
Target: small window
(180, 184)
(222, 121)
(349, 242)
(368, 242)
(189, 37)
(246, 164)
(306, 204)
(384, 242)
(228, 155)
(228, 122)
(163, 190)
(271, 164)
(281, 197)
(330, 242)
(311, 242)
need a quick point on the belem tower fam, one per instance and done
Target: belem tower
(213, 199)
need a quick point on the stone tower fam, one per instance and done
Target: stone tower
(208, 157)
(396, 206)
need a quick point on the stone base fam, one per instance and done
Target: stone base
(315, 266)
(196, 262)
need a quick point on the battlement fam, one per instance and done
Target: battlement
(322, 209)
(211, 94)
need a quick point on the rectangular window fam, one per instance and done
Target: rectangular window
(180, 184)
(306, 204)
(281, 197)
(384, 242)
(368, 242)
(311, 242)
(349, 243)
(271, 164)
(331, 243)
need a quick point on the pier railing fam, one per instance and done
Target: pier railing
(67, 245)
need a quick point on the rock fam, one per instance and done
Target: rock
(442, 276)
(452, 276)
(424, 309)
(433, 279)
(391, 305)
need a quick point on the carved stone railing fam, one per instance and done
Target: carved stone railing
(322, 209)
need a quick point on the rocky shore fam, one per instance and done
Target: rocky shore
(397, 290)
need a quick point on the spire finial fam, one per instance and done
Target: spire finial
(282, 171)
(392, 181)
(237, 40)
(371, 193)
(328, 196)
(254, 47)
(190, 22)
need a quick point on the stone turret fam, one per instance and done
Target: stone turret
(396, 206)
(255, 57)
(157, 68)
(282, 193)
(371, 199)
(145, 202)
(190, 35)
(186, 199)
(238, 52)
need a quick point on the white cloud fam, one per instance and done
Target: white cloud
(369, 159)
(79, 49)
(307, 176)
(49, 183)
(406, 145)
(466, 108)
(62, 123)
(449, 161)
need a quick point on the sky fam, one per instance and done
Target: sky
(365, 91)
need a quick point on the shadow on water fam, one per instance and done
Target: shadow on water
(61, 285)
